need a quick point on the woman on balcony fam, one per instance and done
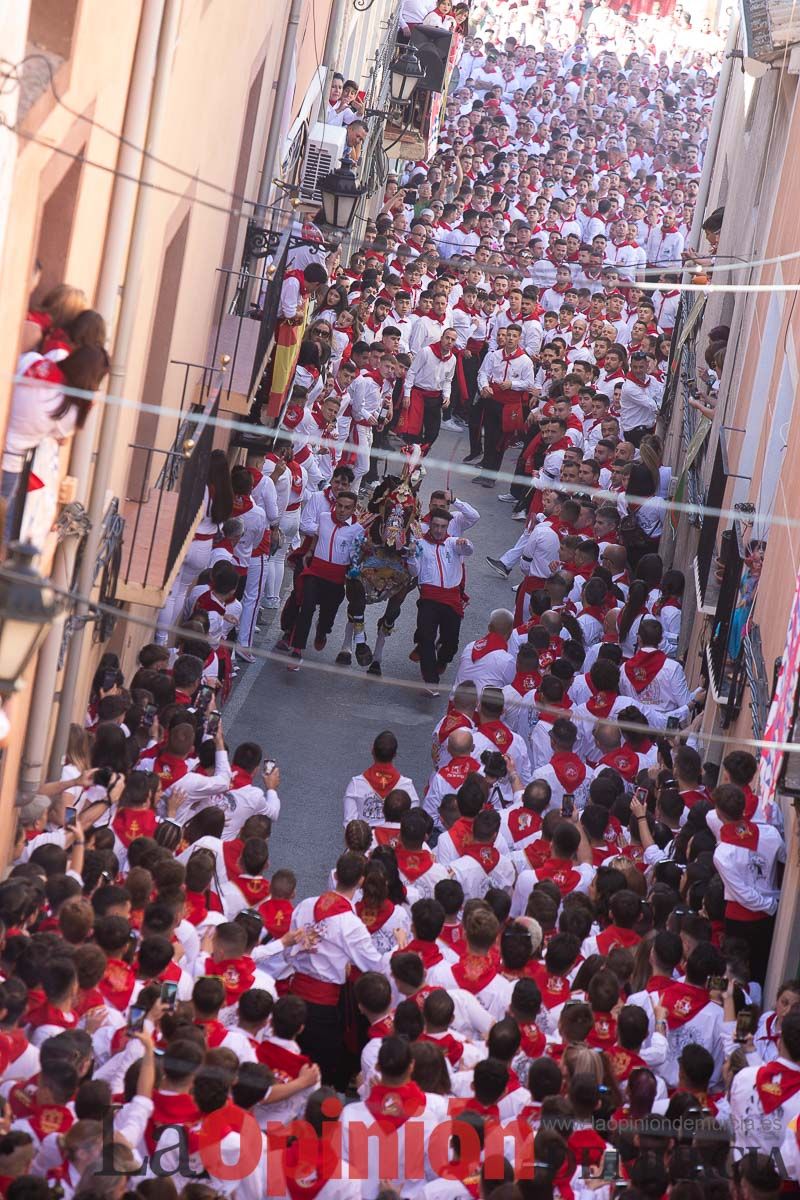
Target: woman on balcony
(217, 507)
(41, 408)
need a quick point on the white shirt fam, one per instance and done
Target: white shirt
(515, 374)
(668, 692)
(362, 802)
(344, 939)
(431, 373)
(638, 403)
(748, 866)
(494, 669)
(439, 564)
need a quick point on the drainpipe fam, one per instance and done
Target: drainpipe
(333, 41)
(123, 200)
(709, 161)
(276, 130)
(129, 315)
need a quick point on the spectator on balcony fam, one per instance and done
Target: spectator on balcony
(217, 508)
(309, 370)
(441, 17)
(298, 286)
(348, 108)
(333, 305)
(356, 136)
(40, 409)
(59, 308)
(414, 12)
(88, 329)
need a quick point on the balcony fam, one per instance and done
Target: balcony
(724, 651)
(166, 490)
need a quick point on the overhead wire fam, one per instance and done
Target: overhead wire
(398, 458)
(406, 685)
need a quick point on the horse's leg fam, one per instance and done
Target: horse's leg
(356, 607)
(344, 657)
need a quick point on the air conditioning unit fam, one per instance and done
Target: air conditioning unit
(325, 148)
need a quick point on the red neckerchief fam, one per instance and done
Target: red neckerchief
(381, 1029)
(117, 983)
(50, 1118)
(199, 904)
(450, 723)
(569, 770)
(562, 873)
(624, 761)
(453, 1049)
(623, 1062)
(241, 504)
(592, 610)
(555, 989)
(740, 833)
(486, 856)
(276, 915)
(213, 1031)
(683, 1001)
(413, 863)
(613, 936)
(429, 952)
(48, 1014)
(393, 1106)
(284, 1063)
(456, 771)
(170, 768)
(301, 279)
(170, 1108)
(487, 645)
(522, 823)
(461, 832)
(305, 1183)
(382, 778)
(497, 733)
(775, 1084)
(453, 936)
(131, 823)
(532, 1039)
(331, 904)
(436, 349)
(240, 778)
(387, 835)
(474, 972)
(374, 920)
(237, 974)
(642, 669)
(526, 681)
(537, 852)
(601, 704)
(603, 1033)
(254, 888)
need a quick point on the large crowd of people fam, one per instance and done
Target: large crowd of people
(538, 969)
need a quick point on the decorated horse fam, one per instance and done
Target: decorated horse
(378, 571)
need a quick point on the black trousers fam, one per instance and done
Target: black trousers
(322, 1042)
(436, 623)
(460, 399)
(322, 594)
(431, 422)
(758, 936)
(493, 435)
(636, 434)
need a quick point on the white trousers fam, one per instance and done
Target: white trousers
(289, 526)
(253, 591)
(362, 435)
(197, 559)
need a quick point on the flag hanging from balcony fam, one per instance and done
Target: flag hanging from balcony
(287, 349)
(779, 722)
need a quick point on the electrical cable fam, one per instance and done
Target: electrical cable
(401, 460)
(408, 685)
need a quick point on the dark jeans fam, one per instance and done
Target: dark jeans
(758, 936)
(493, 436)
(431, 421)
(436, 622)
(317, 593)
(636, 434)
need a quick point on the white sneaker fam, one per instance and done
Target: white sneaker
(507, 498)
(520, 516)
(451, 425)
(271, 602)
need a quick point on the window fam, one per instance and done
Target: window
(705, 581)
(724, 647)
(55, 227)
(775, 450)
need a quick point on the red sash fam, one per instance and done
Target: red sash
(683, 1001)
(413, 863)
(487, 645)
(331, 904)
(523, 823)
(642, 669)
(569, 770)
(284, 1064)
(237, 974)
(486, 856)
(775, 1084)
(451, 597)
(131, 823)
(382, 778)
(474, 972)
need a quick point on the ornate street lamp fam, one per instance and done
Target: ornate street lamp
(340, 195)
(28, 608)
(404, 75)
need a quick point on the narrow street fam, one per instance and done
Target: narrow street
(318, 725)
